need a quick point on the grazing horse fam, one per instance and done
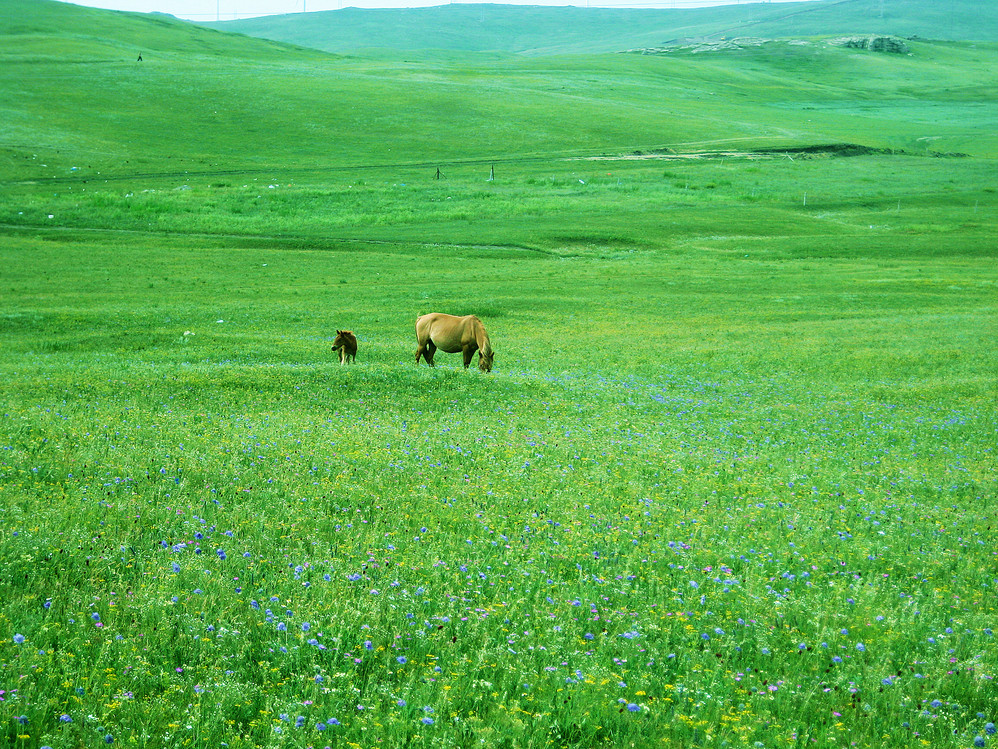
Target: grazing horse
(452, 334)
(346, 344)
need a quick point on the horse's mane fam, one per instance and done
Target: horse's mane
(482, 336)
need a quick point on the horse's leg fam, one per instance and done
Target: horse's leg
(343, 356)
(431, 349)
(468, 354)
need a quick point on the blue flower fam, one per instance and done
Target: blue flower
(65, 718)
(19, 639)
(989, 729)
(860, 647)
(979, 741)
(632, 707)
(402, 659)
(22, 719)
(427, 721)
(109, 739)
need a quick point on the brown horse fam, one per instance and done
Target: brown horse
(346, 344)
(452, 334)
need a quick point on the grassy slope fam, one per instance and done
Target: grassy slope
(544, 30)
(232, 103)
(793, 447)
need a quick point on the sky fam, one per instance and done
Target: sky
(226, 10)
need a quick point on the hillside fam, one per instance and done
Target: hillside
(556, 30)
(47, 31)
(212, 102)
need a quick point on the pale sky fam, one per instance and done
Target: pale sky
(226, 10)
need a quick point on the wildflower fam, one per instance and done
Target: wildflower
(979, 741)
(989, 729)
(935, 704)
(22, 719)
(332, 722)
(65, 718)
(401, 703)
(860, 647)
(632, 707)
(109, 739)
(221, 554)
(887, 681)
(427, 721)
(320, 726)
(368, 645)
(402, 659)
(18, 639)
(305, 627)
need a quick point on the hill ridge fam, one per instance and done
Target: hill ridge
(536, 30)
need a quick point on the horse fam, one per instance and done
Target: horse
(346, 345)
(452, 334)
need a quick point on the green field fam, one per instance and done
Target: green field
(731, 483)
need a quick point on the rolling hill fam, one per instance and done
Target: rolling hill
(565, 30)
(75, 103)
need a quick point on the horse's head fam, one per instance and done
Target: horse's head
(485, 360)
(339, 340)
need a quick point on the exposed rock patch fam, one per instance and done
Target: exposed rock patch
(887, 44)
(890, 44)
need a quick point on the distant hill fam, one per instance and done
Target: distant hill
(556, 30)
(38, 30)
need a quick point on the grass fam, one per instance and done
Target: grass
(731, 482)
(504, 29)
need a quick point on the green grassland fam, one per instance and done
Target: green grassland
(730, 484)
(541, 30)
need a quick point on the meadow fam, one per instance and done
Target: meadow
(730, 484)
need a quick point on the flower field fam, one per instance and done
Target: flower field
(200, 550)
(730, 484)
